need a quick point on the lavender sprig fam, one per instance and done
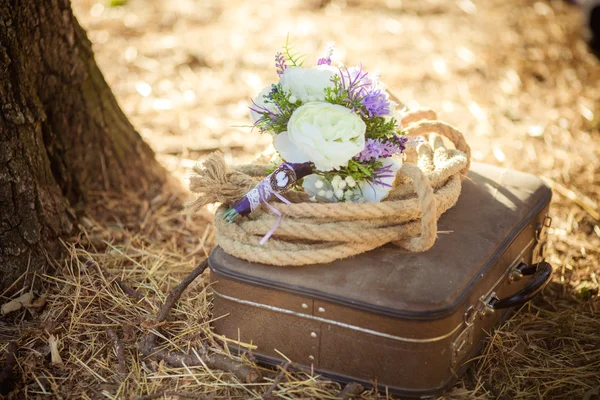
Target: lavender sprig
(280, 63)
(382, 148)
(328, 54)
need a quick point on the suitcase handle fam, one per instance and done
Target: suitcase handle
(541, 273)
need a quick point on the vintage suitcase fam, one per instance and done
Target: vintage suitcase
(405, 321)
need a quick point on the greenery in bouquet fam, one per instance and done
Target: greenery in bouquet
(334, 131)
(338, 119)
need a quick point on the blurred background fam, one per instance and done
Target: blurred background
(515, 76)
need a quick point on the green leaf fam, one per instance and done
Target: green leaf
(379, 127)
(363, 169)
(295, 59)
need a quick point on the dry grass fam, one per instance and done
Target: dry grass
(84, 303)
(513, 74)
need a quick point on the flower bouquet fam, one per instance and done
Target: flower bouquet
(341, 175)
(333, 128)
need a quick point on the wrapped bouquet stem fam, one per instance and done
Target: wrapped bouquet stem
(350, 174)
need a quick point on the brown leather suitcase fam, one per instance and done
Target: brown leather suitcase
(405, 321)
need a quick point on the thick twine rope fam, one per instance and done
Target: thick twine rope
(427, 184)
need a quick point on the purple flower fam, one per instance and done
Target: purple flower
(262, 114)
(376, 103)
(383, 173)
(365, 79)
(399, 141)
(362, 89)
(354, 81)
(372, 150)
(280, 63)
(328, 53)
(382, 148)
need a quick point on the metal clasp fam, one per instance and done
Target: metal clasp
(515, 273)
(487, 304)
(463, 342)
(540, 232)
(539, 251)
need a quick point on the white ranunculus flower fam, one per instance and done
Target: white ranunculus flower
(308, 84)
(260, 101)
(288, 150)
(328, 135)
(376, 192)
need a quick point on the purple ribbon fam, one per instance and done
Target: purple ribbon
(275, 211)
(261, 194)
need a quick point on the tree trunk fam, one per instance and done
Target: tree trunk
(62, 134)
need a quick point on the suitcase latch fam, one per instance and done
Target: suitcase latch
(539, 251)
(463, 342)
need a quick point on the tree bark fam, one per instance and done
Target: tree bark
(63, 136)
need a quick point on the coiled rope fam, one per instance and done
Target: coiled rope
(428, 184)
